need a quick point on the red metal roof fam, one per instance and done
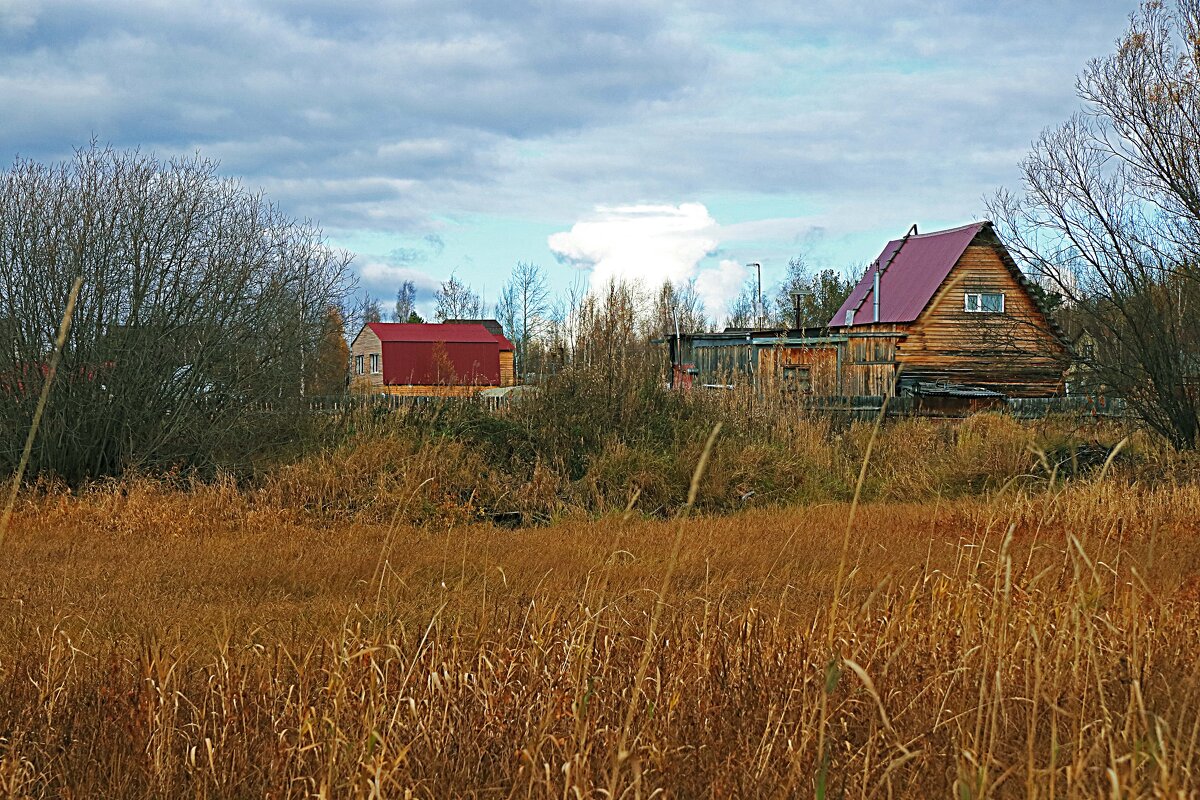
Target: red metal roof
(909, 282)
(436, 332)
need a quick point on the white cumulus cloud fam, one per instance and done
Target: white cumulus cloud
(719, 285)
(647, 243)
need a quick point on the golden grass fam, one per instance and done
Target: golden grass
(157, 642)
(64, 328)
(415, 467)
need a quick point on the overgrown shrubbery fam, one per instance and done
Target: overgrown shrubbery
(586, 445)
(205, 318)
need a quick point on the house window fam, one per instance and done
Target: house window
(374, 363)
(798, 377)
(984, 302)
(358, 365)
(849, 317)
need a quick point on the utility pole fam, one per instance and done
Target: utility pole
(677, 367)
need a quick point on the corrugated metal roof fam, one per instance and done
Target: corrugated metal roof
(910, 281)
(436, 332)
(492, 325)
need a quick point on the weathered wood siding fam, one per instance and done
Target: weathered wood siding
(1012, 352)
(365, 344)
(508, 375)
(732, 363)
(869, 360)
(804, 370)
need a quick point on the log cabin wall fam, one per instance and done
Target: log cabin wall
(1012, 351)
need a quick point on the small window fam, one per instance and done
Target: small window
(984, 302)
(798, 377)
(358, 365)
(374, 363)
(849, 317)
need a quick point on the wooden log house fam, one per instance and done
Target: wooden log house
(948, 308)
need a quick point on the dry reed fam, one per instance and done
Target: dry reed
(162, 642)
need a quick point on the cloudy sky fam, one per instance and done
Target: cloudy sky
(632, 138)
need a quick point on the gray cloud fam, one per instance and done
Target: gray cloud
(394, 116)
(407, 89)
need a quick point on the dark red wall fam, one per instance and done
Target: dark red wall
(471, 363)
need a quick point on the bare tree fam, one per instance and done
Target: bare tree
(201, 304)
(677, 306)
(371, 311)
(1109, 218)
(744, 307)
(524, 310)
(406, 300)
(611, 329)
(455, 300)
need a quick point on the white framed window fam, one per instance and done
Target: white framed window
(358, 365)
(984, 302)
(374, 363)
(849, 317)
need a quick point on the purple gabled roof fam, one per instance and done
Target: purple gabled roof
(909, 282)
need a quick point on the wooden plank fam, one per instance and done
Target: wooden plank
(507, 370)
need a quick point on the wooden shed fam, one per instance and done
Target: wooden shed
(429, 360)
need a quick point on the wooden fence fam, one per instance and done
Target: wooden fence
(868, 406)
(351, 402)
(854, 407)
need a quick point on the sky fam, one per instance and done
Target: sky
(632, 139)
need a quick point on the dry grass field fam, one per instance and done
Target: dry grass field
(159, 642)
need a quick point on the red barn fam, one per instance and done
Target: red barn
(430, 359)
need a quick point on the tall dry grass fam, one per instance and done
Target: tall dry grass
(557, 457)
(167, 642)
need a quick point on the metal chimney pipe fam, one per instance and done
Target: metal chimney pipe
(879, 270)
(875, 294)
